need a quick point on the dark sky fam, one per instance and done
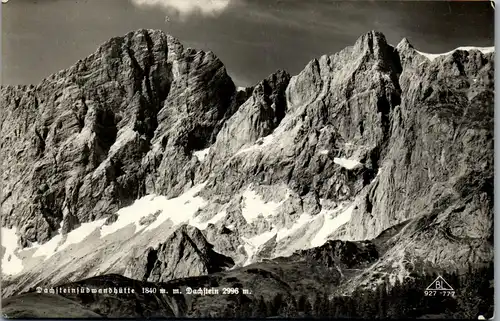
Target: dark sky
(252, 37)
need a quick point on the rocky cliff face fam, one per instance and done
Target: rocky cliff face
(338, 108)
(117, 125)
(438, 165)
(372, 142)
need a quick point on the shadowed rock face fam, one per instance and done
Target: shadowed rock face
(261, 113)
(406, 140)
(185, 253)
(446, 105)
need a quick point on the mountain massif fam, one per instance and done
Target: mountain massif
(145, 163)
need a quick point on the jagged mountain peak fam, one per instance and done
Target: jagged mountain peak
(102, 115)
(404, 44)
(139, 36)
(371, 40)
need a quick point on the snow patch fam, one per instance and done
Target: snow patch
(132, 214)
(203, 225)
(331, 223)
(259, 144)
(431, 57)
(301, 221)
(249, 250)
(11, 264)
(347, 163)
(241, 89)
(324, 152)
(125, 135)
(252, 245)
(49, 248)
(79, 234)
(178, 210)
(254, 205)
(202, 154)
(58, 243)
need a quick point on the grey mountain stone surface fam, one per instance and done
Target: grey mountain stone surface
(261, 113)
(117, 125)
(185, 253)
(438, 167)
(405, 139)
(337, 107)
(225, 240)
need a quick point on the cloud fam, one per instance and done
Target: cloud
(185, 8)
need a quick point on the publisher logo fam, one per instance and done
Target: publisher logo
(439, 288)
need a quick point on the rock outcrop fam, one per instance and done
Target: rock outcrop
(185, 253)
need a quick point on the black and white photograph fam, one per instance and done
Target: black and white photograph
(247, 159)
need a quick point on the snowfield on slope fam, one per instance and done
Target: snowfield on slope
(11, 264)
(90, 240)
(254, 206)
(347, 163)
(331, 223)
(177, 210)
(253, 245)
(484, 50)
(202, 154)
(58, 243)
(320, 227)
